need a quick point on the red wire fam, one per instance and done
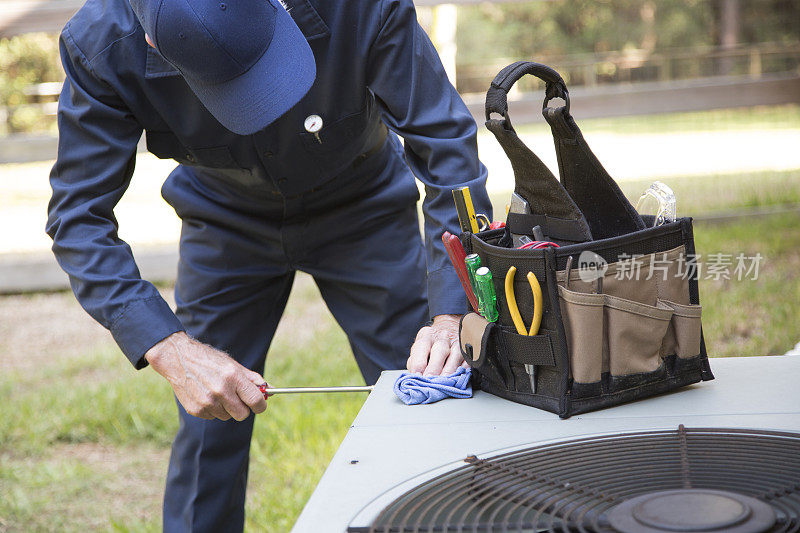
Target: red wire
(538, 245)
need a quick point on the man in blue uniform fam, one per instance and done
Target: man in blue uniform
(278, 117)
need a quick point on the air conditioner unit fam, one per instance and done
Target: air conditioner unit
(717, 456)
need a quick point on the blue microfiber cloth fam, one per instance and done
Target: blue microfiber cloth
(413, 388)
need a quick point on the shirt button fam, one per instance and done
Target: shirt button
(268, 154)
(190, 157)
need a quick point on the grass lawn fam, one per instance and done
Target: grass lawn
(753, 317)
(705, 195)
(84, 439)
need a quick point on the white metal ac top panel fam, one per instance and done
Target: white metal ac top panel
(391, 442)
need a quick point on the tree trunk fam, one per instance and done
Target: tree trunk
(729, 24)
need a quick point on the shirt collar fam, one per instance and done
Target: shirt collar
(307, 19)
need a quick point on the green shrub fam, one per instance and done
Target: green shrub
(26, 60)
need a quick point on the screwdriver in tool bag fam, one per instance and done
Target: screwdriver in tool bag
(455, 250)
(473, 263)
(487, 298)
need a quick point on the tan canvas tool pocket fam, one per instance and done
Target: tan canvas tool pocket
(583, 325)
(684, 334)
(634, 333)
(473, 336)
(478, 347)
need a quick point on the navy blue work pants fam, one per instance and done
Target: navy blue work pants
(358, 236)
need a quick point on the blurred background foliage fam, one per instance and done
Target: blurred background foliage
(615, 41)
(580, 26)
(26, 61)
(584, 26)
(589, 42)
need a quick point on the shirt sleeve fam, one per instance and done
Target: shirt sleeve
(420, 104)
(96, 156)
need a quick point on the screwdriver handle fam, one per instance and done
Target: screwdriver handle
(455, 250)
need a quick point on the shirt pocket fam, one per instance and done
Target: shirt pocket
(335, 137)
(165, 145)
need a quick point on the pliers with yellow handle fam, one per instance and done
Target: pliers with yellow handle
(511, 300)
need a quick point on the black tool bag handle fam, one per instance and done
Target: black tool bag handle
(497, 95)
(552, 208)
(585, 182)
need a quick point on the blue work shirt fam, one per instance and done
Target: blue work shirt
(374, 65)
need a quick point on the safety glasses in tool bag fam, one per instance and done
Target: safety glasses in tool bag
(624, 328)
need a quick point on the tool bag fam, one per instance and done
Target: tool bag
(621, 319)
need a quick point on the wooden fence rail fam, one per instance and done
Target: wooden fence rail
(587, 102)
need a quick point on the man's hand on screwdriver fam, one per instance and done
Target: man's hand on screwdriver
(208, 383)
(435, 350)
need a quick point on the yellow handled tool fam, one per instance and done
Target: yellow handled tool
(467, 218)
(511, 300)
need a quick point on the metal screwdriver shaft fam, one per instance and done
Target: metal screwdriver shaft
(298, 390)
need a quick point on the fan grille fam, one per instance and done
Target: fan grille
(569, 486)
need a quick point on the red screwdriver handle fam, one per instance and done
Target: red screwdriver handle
(455, 251)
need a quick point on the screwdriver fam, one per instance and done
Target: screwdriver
(487, 299)
(269, 391)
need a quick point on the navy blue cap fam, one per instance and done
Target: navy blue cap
(246, 60)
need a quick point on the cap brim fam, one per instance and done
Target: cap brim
(273, 85)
